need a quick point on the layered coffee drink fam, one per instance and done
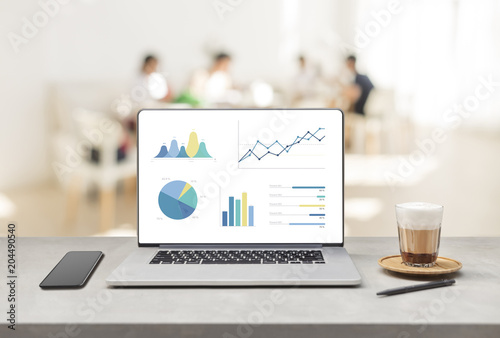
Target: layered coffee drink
(419, 229)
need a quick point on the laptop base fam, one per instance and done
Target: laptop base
(135, 270)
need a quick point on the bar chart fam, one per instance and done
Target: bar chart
(238, 213)
(297, 205)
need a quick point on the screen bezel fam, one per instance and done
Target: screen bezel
(340, 244)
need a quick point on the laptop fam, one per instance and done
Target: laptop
(239, 197)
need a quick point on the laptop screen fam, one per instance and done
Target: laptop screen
(240, 176)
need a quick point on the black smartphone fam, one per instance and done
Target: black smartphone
(73, 270)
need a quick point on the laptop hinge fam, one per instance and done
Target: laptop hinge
(256, 246)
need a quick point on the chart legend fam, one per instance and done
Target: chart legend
(297, 205)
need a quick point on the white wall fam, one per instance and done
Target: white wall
(23, 132)
(107, 39)
(434, 53)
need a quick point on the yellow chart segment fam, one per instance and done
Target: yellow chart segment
(193, 145)
(186, 188)
(244, 209)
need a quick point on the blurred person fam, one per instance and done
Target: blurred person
(154, 83)
(353, 99)
(305, 82)
(357, 93)
(150, 90)
(352, 90)
(215, 85)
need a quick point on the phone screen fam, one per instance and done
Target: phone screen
(72, 270)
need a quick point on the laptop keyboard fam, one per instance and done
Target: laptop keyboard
(238, 257)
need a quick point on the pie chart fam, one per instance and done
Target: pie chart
(177, 200)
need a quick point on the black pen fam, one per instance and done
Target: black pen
(411, 288)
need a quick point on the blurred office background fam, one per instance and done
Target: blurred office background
(70, 85)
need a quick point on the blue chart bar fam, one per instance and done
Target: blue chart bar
(250, 215)
(231, 211)
(307, 187)
(316, 214)
(306, 223)
(238, 213)
(224, 218)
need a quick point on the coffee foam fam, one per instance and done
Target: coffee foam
(419, 215)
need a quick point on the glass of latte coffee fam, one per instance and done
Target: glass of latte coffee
(419, 229)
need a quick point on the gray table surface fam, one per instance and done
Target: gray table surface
(469, 308)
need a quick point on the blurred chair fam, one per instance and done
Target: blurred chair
(389, 129)
(371, 133)
(380, 108)
(106, 171)
(76, 132)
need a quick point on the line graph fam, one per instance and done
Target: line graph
(286, 148)
(297, 152)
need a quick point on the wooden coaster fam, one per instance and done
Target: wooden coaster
(443, 265)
